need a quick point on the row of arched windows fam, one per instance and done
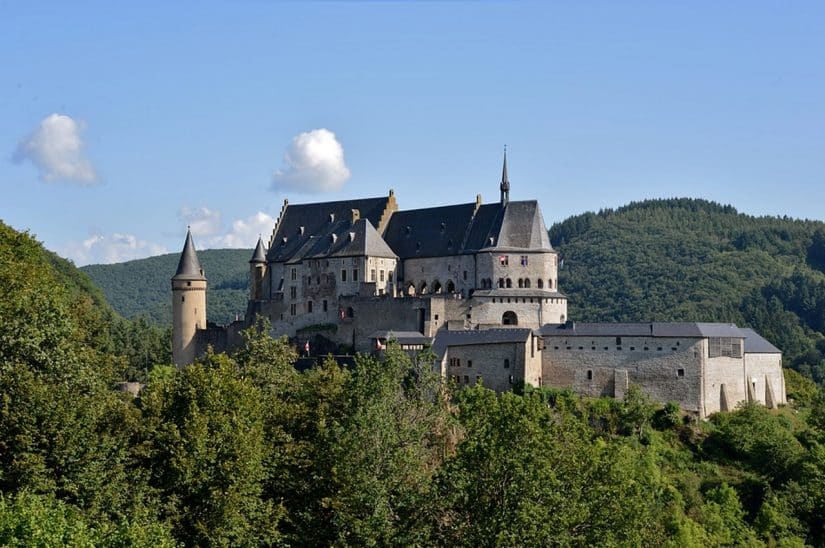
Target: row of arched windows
(507, 283)
(423, 288)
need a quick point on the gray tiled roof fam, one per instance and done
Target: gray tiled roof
(403, 337)
(756, 344)
(317, 224)
(259, 255)
(430, 232)
(445, 338)
(523, 228)
(649, 329)
(189, 268)
(351, 240)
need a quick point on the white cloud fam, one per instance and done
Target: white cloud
(201, 220)
(115, 248)
(245, 232)
(313, 163)
(56, 149)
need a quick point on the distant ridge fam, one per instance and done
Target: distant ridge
(685, 259)
(142, 288)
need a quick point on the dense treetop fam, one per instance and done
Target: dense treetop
(245, 450)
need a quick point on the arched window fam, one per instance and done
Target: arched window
(436, 287)
(411, 289)
(509, 283)
(540, 283)
(562, 319)
(550, 284)
(422, 289)
(501, 282)
(509, 318)
(350, 312)
(520, 283)
(450, 286)
(527, 283)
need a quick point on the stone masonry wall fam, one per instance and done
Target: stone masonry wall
(667, 369)
(762, 367)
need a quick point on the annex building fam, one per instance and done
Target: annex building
(479, 283)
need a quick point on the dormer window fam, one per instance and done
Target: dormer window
(491, 240)
(334, 238)
(301, 230)
(443, 227)
(418, 246)
(352, 236)
(283, 240)
(332, 217)
(408, 230)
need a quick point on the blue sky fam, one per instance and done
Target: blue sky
(121, 124)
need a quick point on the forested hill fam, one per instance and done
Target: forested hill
(688, 259)
(142, 287)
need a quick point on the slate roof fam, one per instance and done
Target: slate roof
(756, 344)
(289, 243)
(646, 329)
(445, 338)
(486, 224)
(523, 228)
(430, 232)
(189, 267)
(259, 255)
(403, 337)
(350, 240)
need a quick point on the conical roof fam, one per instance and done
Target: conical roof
(189, 268)
(259, 256)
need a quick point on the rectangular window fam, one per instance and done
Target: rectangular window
(354, 274)
(343, 275)
(469, 363)
(372, 274)
(467, 380)
(293, 292)
(524, 260)
(680, 372)
(729, 347)
(465, 274)
(503, 260)
(324, 305)
(293, 309)
(478, 379)
(294, 274)
(309, 307)
(389, 276)
(380, 275)
(618, 341)
(590, 374)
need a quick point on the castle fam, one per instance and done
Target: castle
(478, 282)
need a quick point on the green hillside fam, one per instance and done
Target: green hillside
(142, 287)
(685, 259)
(246, 450)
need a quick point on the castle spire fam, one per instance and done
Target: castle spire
(189, 267)
(505, 182)
(259, 256)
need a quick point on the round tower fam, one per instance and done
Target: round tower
(257, 271)
(188, 304)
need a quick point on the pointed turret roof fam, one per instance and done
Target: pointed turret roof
(259, 256)
(189, 268)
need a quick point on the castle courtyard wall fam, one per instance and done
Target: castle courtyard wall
(591, 366)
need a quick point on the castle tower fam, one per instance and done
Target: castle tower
(188, 304)
(257, 271)
(505, 182)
